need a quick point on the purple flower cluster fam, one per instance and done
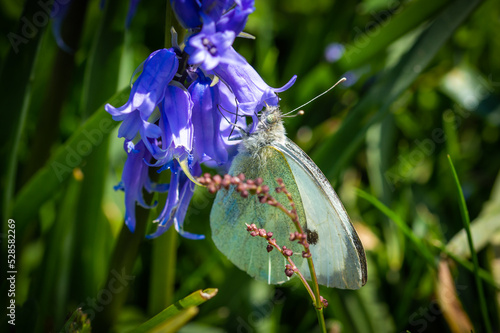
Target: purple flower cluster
(180, 115)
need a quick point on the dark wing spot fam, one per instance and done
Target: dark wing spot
(312, 236)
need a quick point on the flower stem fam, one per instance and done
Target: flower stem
(318, 305)
(161, 291)
(171, 22)
(321, 319)
(122, 263)
(164, 256)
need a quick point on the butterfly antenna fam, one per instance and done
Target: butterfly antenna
(229, 121)
(258, 115)
(339, 81)
(299, 113)
(237, 108)
(222, 114)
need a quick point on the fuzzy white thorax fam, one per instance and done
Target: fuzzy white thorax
(269, 129)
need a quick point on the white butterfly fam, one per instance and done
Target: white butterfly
(338, 255)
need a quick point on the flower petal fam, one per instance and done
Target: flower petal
(134, 177)
(177, 111)
(179, 196)
(187, 12)
(236, 19)
(249, 88)
(146, 94)
(208, 142)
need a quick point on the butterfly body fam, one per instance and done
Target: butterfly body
(267, 153)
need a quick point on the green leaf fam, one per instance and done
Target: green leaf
(55, 279)
(102, 79)
(179, 308)
(47, 181)
(15, 93)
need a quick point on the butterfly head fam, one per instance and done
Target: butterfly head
(270, 116)
(270, 129)
(270, 120)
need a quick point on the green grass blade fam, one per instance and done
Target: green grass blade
(71, 154)
(419, 245)
(107, 52)
(466, 220)
(483, 227)
(55, 281)
(192, 300)
(408, 232)
(484, 274)
(15, 92)
(122, 263)
(102, 73)
(176, 322)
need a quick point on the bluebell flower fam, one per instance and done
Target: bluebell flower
(147, 92)
(176, 126)
(135, 178)
(208, 48)
(179, 195)
(187, 12)
(212, 45)
(181, 118)
(236, 19)
(229, 14)
(209, 144)
(251, 91)
(212, 10)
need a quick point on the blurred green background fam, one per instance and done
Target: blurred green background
(423, 82)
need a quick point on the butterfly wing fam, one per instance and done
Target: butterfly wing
(339, 258)
(230, 212)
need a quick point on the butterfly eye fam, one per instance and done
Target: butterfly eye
(270, 119)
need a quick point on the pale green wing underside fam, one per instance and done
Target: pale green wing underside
(338, 255)
(230, 212)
